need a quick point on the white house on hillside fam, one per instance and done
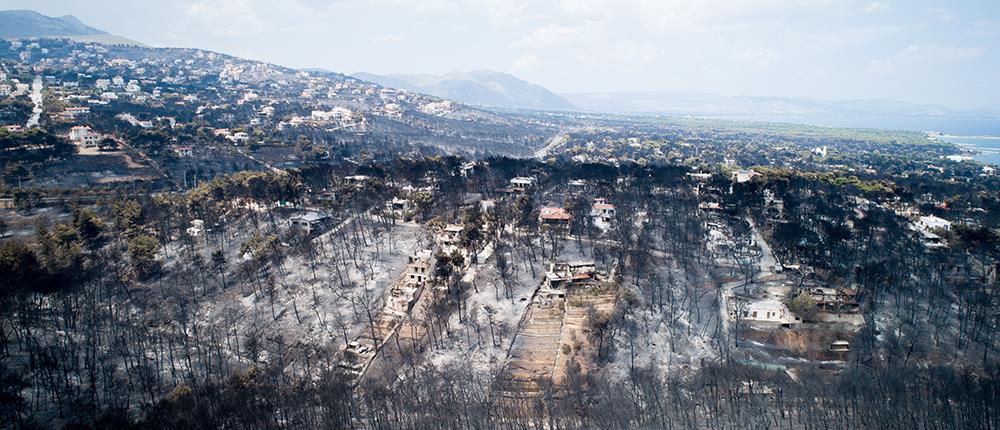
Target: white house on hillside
(602, 211)
(309, 222)
(932, 223)
(743, 175)
(238, 137)
(765, 311)
(419, 268)
(521, 184)
(83, 135)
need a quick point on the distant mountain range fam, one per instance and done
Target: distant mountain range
(23, 24)
(489, 88)
(696, 103)
(496, 89)
(479, 87)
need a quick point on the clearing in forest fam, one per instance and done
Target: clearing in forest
(397, 304)
(532, 357)
(575, 342)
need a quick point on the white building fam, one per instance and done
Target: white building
(197, 228)
(521, 184)
(451, 234)
(357, 179)
(602, 211)
(75, 111)
(700, 176)
(743, 175)
(309, 222)
(183, 151)
(932, 223)
(466, 168)
(239, 137)
(337, 114)
(437, 108)
(398, 206)
(573, 273)
(419, 268)
(83, 135)
(765, 311)
(248, 97)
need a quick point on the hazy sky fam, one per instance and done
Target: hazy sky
(913, 50)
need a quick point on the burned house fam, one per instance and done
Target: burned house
(554, 216)
(521, 185)
(960, 267)
(466, 169)
(326, 197)
(451, 234)
(602, 211)
(197, 228)
(836, 300)
(310, 222)
(932, 241)
(570, 274)
(398, 206)
(420, 267)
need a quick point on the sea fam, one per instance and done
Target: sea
(982, 135)
(987, 146)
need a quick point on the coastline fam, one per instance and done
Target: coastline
(958, 136)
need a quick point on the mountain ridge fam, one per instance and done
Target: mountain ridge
(478, 87)
(26, 24)
(702, 103)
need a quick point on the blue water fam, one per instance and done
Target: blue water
(958, 127)
(988, 146)
(978, 134)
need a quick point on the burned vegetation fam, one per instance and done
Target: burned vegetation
(499, 293)
(193, 240)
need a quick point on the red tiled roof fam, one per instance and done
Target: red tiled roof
(555, 214)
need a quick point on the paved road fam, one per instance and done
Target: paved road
(269, 166)
(767, 265)
(767, 260)
(37, 99)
